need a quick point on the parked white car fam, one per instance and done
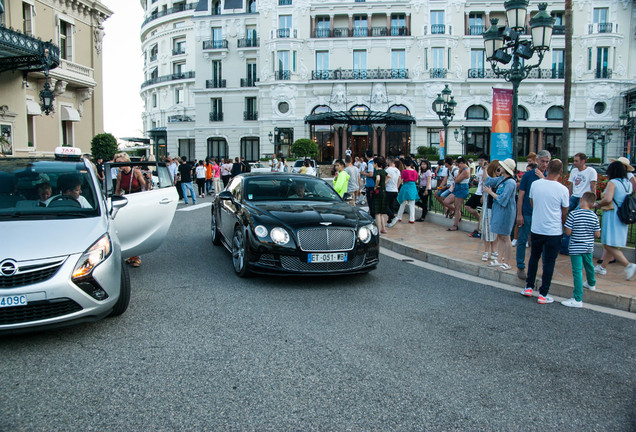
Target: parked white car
(64, 240)
(259, 167)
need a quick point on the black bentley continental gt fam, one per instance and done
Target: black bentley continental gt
(286, 223)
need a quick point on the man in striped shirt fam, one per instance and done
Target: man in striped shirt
(582, 226)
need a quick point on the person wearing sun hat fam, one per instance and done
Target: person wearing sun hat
(550, 202)
(504, 210)
(629, 168)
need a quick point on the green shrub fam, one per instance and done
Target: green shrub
(103, 146)
(304, 147)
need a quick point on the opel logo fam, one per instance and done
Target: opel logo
(8, 268)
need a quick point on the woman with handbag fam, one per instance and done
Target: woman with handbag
(378, 203)
(613, 230)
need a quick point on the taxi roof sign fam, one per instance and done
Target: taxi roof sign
(68, 153)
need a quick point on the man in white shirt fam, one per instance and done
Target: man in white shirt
(582, 179)
(474, 201)
(354, 179)
(550, 202)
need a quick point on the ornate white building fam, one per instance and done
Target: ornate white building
(230, 78)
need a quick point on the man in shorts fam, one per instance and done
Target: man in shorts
(474, 202)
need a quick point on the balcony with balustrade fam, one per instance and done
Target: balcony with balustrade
(359, 74)
(250, 115)
(602, 28)
(215, 83)
(248, 82)
(358, 32)
(248, 43)
(282, 75)
(216, 116)
(476, 30)
(167, 78)
(603, 73)
(170, 11)
(215, 44)
(437, 73)
(483, 73)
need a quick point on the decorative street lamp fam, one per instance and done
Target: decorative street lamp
(504, 44)
(463, 137)
(46, 95)
(601, 137)
(444, 107)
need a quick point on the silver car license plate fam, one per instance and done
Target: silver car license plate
(14, 300)
(327, 257)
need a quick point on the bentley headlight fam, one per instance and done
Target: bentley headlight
(373, 228)
(364, 234)
(260, 231)
(94, 255)
(279, 236)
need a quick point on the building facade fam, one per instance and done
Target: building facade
(230, 78)
(75, 76)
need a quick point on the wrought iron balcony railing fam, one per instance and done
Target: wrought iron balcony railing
(360, 31)
(438, 28)
(248, 82)
(603, 73)
(481, 73)
(322, 33)
(360, 74)
(438, 72)
(554, 73)
(602, 28)
(178, 51)
(250, 115)
(215, 44)
(216, 116)
(558, 30)
(476, 30)
(284, 2)
(341, 32)
(217, 83)
(282, 75)
(248, 43)
(179, 118)
(28, 52)
(169, 11)
(166, 78)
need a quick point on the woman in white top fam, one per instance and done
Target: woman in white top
(200, 173)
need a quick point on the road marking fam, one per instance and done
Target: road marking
(195, 207)
(477, 279)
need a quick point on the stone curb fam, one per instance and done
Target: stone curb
(614, 301)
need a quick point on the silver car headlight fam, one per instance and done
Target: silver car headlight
(94, 255)
(260, 231)
(279, 236)
(365, 233)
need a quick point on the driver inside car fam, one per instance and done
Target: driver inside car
(300, 188)
(71, 187)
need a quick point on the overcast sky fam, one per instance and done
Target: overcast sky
(123, 68)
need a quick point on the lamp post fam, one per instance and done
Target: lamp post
(46, 95)
(462, 136)
(504, 44)
(602, 137)
(628, 123)
(444, 107)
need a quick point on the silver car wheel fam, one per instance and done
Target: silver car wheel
(238, 251)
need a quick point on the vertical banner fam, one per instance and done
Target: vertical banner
(442, 144)
(501, 135)
(629, 148)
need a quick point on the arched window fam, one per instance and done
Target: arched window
(217, 148)
(359, 108)
(554, 113)
(476, 112)
(399, 109)
(522, 113)
(321, 109)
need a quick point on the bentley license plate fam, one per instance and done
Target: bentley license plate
(327, 257)
(14, 300)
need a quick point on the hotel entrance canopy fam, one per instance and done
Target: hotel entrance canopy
(359, 118)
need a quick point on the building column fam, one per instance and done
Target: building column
(383, 142)
(532, 144)
(466, 24)
(487, 20)
(540, 143)
(313, 26)
(331, 17)
(350, 25)
(374, 139)
(336, 141)
(408, 24)
(369, 24)
(388, 23)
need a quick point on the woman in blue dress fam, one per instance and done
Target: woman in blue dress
(613, 231)
(504, 212)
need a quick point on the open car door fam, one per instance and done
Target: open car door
(143, 223)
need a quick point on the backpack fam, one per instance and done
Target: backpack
(627, 211)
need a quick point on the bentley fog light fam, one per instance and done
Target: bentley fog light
(260, 231)
(279, 236)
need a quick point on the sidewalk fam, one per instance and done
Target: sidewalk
(430, 242)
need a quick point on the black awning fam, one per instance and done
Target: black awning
(359, 118)
(22, 52)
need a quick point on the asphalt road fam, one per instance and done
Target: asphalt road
(403, 348)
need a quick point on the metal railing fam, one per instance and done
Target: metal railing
(215, 83)
(282, 75)
(556, 73)
(438, 72)
(166, 78)
(216, 116)
(602, 28)
(341, 32)
(558, 30)
(603, 73)
(178, 51)
(438, 28)
(359, 74)
(481, 73)
(250, 115)
(476, 30)
(215, 44)
(248, 82)
(284, 2)
(248, 43)
(179, 118)
(169, 11)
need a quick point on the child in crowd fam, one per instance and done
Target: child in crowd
(582, 226)
(44, 193)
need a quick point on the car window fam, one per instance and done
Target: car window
(46, 189)
(235, 188)
(292, 188)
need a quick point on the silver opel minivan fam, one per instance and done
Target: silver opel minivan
(64, 238)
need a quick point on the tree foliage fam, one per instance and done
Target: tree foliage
(103, 146)
(304, 147)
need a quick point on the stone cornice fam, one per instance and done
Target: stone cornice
(89, 12)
